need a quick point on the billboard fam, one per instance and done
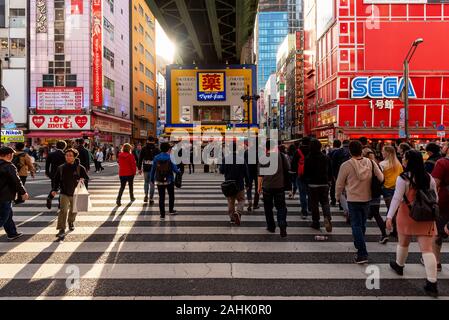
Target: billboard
(403, 1)
(97, 53)
(59, 122)
(63, 99)
(212, 96)
(14, 82)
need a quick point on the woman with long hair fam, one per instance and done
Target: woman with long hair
(414, 179)
(292, 151)
(127, 172)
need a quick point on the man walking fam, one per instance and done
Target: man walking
(336, 146)
(145, 164)
(253, 174)
(161, 174)
(298, 164)
(355, 177)
(66, 180)
(273, 188)
(10, 186)
(83, 157)
(23, 163)
(52, 163)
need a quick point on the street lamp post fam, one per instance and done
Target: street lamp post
(248, 99)
(407, 59)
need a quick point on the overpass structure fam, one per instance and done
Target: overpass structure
(206, 31)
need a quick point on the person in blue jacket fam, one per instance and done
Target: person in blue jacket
(162, 176)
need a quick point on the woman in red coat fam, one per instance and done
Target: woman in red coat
(127, 172)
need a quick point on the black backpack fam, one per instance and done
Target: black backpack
(163, 170)
(16, 161)
(376, 185)
(425, 207)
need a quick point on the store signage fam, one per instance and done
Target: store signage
(41, 16)
(66, 99)
(380, 87)
(400, 1)
(112, 126)
(12, 136)
(97, 55)
(77, 7)
(57, 122)
(211, 86)
(381, 104)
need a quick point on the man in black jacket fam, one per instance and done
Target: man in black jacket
(238, 173)
(318, 175)
(336, 147)
(302, 185)
(83, 158)
(253, 174)
(10, 186)
(52, 163)
(66, 180)
(145, 163)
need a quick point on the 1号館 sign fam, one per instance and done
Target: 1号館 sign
(58, 122)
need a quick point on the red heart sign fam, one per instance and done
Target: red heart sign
(38, 121)
(81, 121)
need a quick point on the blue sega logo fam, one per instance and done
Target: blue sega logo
(380, 87)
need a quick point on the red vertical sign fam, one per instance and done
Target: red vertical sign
(77, 7)
(97, 53)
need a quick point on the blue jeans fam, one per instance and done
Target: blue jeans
(6, 218)
(148, 185)
(302, 188)
(358, 212)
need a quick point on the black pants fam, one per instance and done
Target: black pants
(319, 196)
(23, 179)
(123, 181)
(374, 212)
(171, 198)
(191, 168)
(333, 199)
(276, 197)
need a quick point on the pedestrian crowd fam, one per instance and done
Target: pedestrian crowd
(352, 175)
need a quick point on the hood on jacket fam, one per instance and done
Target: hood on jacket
(125, 155)
(363, 168)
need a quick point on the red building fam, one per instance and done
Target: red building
(349, 39)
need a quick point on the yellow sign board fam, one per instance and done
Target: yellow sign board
(12, 136)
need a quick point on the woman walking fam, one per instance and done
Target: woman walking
(99, 158)
(292, 151)
(127, 172)
(414, 179)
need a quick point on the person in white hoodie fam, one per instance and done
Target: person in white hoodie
(355, 177)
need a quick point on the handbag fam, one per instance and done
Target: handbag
(376, 185)
(81, 198)
(229, 188)
(178, 180)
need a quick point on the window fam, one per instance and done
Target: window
(142, 105)
(141, 86)
(109, 27)
(149, 57)
(149, 22)
(110, 85)
(17, 18)
(148, 40)
(140, 10)
(111, 5)
(149, 91)
(70, 81)
(18, 47)
(4, 47)
(60, 81)
(109, 55)
(48, 80)
(151, 126)
(140, 29)
(141, 67)
(59, 47)
(141, 48)
(149, 74)
(2, 14)
(150, 109)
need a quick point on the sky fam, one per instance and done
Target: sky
(164, 47)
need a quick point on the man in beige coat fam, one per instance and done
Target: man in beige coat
(355, 176)
(23, 163)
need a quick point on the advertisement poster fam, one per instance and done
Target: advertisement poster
(7, 119)
(97, 53)
(41, 122)
(64, 99)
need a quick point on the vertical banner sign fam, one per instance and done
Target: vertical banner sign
(41, 16)
(77, 7)
(97, 55)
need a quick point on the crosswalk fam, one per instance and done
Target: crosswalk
(128, 253)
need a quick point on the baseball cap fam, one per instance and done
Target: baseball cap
(6, 150)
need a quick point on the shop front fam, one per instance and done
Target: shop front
(109, 129)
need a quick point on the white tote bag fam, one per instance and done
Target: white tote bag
(81, 199)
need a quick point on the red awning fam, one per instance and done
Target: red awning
(108, 116)
(59, 134)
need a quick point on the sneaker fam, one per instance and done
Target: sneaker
(173, 213)
(304, 216)
(399, 270)
(61, 235)
(431, 289)
(360, 260)
(133, 199)
(250, 209)
(71, 226)
(384, 240)
(162, 219)
(256, 207)
(118, 203)
(271, 230)
(151, 202)
(328, 225)
(283, 232)
(16, 236)
(316, 226)
(237, 219)
(290, 195)
(145, 200)
(49, 200)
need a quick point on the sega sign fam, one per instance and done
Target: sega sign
(380, 87)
